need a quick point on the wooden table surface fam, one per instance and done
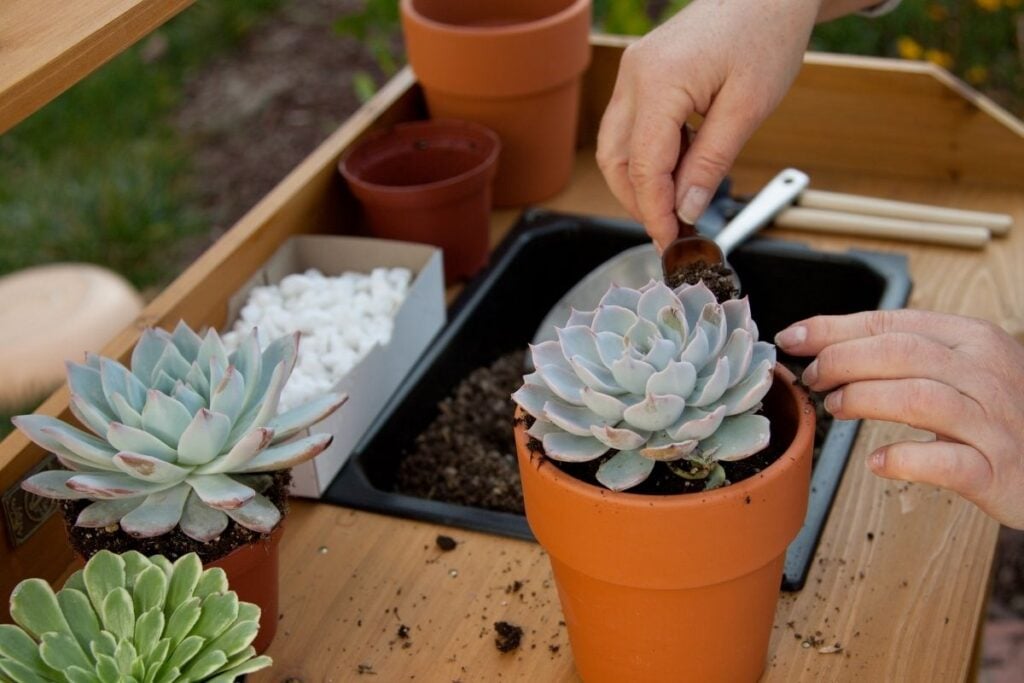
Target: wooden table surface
(898, 582)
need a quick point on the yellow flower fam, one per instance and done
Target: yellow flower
(937, 12)
(943, 59)
(989, 5)
(909, 48)
(976, 75)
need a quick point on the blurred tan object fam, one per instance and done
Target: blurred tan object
(53, 313)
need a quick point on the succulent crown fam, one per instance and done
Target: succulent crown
(131, 619)
(181, 439)
(656, 375)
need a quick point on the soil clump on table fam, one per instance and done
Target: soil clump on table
(86, 542)
(467, 455)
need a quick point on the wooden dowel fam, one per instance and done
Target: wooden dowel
(997, 223)
(820, 220)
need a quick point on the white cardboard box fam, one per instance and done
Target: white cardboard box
(375, 378)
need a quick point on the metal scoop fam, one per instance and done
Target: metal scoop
(639, 265)
(691, 248)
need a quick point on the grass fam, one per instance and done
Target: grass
(100, 175)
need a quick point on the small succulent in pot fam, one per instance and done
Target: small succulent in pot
(652, 375)
(130, 619)
(182, 439)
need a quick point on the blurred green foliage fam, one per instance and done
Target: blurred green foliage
(375, 25)
(99, 174)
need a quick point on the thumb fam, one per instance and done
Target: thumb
(729, 123)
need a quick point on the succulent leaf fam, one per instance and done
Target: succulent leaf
(292, 422)
(654, 374)
(124, 633)
(624, 470)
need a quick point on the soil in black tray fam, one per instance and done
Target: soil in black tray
(717, 277)
(467, 454)
(172, 545)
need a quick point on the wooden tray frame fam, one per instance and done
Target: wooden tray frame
(901, 129)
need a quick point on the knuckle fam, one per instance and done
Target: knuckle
(878, 322)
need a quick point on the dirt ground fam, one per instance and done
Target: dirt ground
(257, 112)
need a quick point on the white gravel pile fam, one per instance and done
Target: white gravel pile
(341, 319)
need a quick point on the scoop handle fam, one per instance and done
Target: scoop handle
(779, 193)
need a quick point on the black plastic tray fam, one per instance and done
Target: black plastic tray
(541, 259)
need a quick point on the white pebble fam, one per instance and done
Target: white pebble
(341, 319)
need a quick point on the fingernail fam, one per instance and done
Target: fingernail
(810, 375)
(876, 461)
(834, 401)
(692, 204)
(791, 336)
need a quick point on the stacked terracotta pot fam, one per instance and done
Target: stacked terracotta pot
(511, 66)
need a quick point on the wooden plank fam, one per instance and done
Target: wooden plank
(904, 605)
(864, 115)
(46, 46)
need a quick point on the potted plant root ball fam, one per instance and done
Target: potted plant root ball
(187, 454)
(429, 182)
(664, 472)
(514, 66)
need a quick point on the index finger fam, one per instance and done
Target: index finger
(808, 337)
(653, 157)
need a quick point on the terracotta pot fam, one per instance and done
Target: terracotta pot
(253, 574)
(681, 587)
(514, 66)
(429, 181)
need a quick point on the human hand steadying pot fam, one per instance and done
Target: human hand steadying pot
(961, 378)
(730, 62)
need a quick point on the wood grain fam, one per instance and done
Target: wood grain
(345, 572)
(904, 605)
(46, 46)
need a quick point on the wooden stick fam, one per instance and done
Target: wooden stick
(997, 223)
(820, 220)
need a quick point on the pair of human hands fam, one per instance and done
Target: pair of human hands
(963, 379)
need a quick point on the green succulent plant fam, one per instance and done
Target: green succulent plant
(183, 439)
(130, 619)
(657, 375)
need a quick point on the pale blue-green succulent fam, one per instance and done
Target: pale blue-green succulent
(130, 619)
(656, 375)
(183, 439)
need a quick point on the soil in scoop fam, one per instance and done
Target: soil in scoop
(467, 454)
(173, 545)
(716, 276)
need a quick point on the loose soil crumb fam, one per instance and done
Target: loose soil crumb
(467, 454)
(509, 636)
(403, 632)
(717, 277)
(87, 542)
(446, 543)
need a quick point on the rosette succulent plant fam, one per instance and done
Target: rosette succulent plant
(654, 375)
(183, 439)
(130, 619)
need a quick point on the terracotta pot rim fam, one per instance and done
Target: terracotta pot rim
(559, 17)
(431, 126)
(683, 501)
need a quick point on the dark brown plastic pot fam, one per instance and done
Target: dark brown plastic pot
(253, 574)
(430, 182)
(676, 587)
(513, 65)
